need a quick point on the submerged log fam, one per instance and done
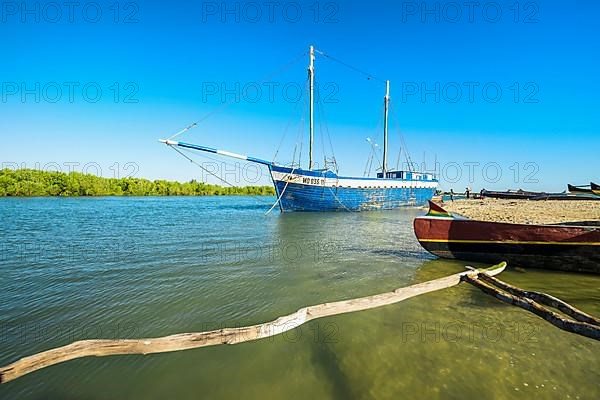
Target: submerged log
(581, 328)
(184, 341)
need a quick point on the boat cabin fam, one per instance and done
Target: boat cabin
(407, 175)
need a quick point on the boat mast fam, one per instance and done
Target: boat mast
(386, 102)
(311, 77)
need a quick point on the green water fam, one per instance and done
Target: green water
(141, 267)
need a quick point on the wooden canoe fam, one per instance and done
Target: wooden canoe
(567, 197)
(566, 247)
(510, 194)
(579, 190)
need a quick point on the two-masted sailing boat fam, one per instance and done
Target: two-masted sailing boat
(300, 189)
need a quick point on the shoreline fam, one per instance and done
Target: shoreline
(37, 183)
(137, 195)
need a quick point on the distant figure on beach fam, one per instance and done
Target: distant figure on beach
(468, 192)
(451, 194)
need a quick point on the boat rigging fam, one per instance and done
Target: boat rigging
(314, 189)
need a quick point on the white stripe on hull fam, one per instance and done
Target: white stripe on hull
(349, 182)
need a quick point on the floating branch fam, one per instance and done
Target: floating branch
(581, 328)
(185, 341)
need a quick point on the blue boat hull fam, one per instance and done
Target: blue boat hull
(298, 197)
(302, 190)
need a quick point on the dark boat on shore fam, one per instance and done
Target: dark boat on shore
(595, 188)
(565, 247)
(575, 193)
(579, 189)
(511, 194)
(566, 196)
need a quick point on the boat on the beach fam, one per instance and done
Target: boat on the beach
(566, 196)
(313, 189)
(595, 188)
(567, 247)
(511, 194)
(579, 189)
(575, 193)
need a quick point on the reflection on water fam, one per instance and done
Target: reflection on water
(140, 267)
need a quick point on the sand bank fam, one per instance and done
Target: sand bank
(526, 211)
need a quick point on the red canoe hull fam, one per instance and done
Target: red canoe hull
(567, 248)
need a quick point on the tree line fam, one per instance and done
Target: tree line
(30, 182)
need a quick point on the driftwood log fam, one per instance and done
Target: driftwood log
(184, 341)
(542, 298)
(523, 299)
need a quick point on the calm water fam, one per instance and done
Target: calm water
(141, 267)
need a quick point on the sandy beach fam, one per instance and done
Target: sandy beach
(525, 211)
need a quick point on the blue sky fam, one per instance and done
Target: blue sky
(504, 94)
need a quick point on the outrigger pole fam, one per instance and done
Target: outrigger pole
(311, 78)
(231, 336)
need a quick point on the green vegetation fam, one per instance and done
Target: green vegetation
(29, 182)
